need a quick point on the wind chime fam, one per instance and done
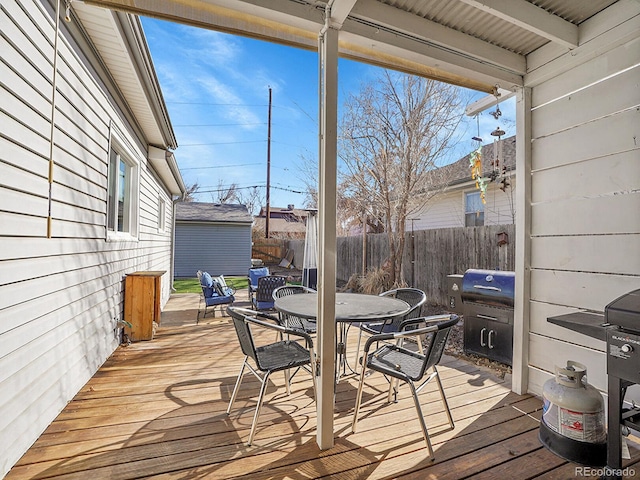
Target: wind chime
(499, 169)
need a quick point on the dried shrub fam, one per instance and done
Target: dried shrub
(377, 280)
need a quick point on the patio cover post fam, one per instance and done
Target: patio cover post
(328, 109)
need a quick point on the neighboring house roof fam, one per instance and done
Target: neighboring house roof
(460, 171)
(281, 225)
(212, 212)
(280, 212)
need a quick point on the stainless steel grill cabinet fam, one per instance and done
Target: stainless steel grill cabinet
(487, 304)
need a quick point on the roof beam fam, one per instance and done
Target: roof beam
(340, 10)
(377, 13)
(534, 19)
(488, 102)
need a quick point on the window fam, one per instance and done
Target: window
(122, 201)
(473, 210)
(162, 208)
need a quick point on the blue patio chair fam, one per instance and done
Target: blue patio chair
(263, 299)
(215, 292)
(254, 274)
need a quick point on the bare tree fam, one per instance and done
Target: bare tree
(394, 133)
(225, 194)
(190, 193)
(348, 217)
(253, 199)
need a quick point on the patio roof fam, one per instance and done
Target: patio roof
(467, 42)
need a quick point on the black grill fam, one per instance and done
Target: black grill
(487, 306)
(623, 370)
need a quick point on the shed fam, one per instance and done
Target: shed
(212, 237)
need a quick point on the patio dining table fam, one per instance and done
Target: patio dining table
(350, 308)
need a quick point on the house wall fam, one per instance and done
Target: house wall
(60, 297)
(446, 209)
(585, 189)
(218, 248)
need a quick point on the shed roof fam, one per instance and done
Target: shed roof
(212, 212)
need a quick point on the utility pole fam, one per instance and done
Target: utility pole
(266, 224)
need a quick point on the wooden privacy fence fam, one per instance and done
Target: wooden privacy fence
(429, 256)
(269, 250)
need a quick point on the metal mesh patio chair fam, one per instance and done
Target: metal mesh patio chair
(292, 321)
(282, 355)
(254, 274)
(414, 297)
(400, 363)
(263, 299)
(215, 292)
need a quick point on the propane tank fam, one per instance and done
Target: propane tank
(572, 423)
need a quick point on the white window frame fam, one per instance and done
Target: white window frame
(469, 212)
(162, 215)
(124, 157)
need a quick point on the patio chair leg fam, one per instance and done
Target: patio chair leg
(358, 351)
(423, 424)
(263, 388)
(356, 409)
(444, 399)
(393, 390)
(237, 386)
(287, 380)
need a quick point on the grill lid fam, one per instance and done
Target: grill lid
(491, 287)
(625, 311)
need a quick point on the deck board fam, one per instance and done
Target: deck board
(157, 410)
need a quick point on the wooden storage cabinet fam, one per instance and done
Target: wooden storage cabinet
(142, 291)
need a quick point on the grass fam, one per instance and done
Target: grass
(191, 285)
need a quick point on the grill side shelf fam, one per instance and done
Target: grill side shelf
(588, 323)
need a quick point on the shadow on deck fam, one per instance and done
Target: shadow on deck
(157, 409)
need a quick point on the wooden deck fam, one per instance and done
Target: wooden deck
(157, 410)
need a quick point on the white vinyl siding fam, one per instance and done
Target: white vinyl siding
(447, 209)
(60, 297)
(585, 201)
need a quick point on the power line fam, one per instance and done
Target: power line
(219, 143)
(218, 104)
(221, 166)
(221, 125)
(216, 190)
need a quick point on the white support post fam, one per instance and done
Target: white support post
(326, 348)
(520, 381)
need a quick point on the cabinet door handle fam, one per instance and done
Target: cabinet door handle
(482, 342)
(492, 333)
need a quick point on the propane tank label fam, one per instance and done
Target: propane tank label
(581, 426)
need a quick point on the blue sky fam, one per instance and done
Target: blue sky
(216, 87)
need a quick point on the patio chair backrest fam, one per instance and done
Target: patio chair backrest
(266, 286)
(291, 290)
(243, 331)
(414, 297)
(435, 341)
(293, 321)
(255, 273)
